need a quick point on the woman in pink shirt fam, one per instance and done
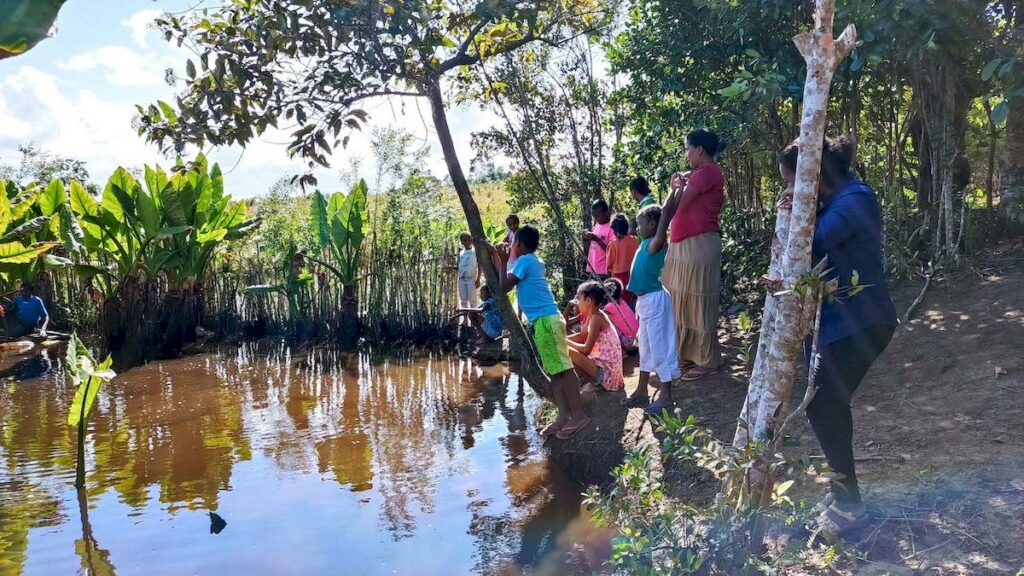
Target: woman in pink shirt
(693, 264)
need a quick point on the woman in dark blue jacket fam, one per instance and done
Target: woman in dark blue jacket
(854, 330)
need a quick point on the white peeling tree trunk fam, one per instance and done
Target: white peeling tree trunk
(782, 218)
(771, 384)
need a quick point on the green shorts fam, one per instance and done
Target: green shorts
(549, 334)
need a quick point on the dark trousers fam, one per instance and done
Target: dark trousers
(841, 369)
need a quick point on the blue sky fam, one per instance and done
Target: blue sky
(75, 93)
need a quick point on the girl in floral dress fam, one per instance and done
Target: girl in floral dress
(596, 352)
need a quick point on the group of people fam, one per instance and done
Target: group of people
(666, 266)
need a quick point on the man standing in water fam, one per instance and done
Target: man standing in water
(29, 313)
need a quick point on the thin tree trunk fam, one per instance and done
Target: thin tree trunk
(771, 383)
(771, 302)
(529, 365)
(775, 380)
(1011, 193)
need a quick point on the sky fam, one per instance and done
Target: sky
(75, 94)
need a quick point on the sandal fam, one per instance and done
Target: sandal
(568, 431)
(696, 373)
(835, 521)
(656, 409)
(591, 387)
(552, 429)
(636, 401)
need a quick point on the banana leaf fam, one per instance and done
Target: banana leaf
(52, 198)
(26, 230)
(18, 253)
(24, 23)
(264, 289)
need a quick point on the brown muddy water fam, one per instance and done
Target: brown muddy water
(318, 464)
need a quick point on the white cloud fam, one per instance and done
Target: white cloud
(122, 66)
(141, 25)
(81, 125)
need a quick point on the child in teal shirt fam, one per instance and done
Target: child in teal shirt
(656, 336)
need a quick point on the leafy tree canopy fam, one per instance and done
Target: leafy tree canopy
(306, 65)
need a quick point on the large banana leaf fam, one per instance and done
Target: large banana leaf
(25, 230)
(87, 378)
(52, 198)
(24, 23)
(21, 205)
(18, 253)
(321, 219)
(5, 208)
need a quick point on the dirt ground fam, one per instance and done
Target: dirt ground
(939, 430)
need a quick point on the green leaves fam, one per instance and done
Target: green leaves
(340, 225)
(1000, 112)
(18, 253)
(24, 23)
(52, 198)
(87, 378)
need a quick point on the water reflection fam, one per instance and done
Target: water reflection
(435, 465)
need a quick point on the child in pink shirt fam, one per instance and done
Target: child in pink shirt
(621, 315)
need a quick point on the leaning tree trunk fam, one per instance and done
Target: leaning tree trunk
(529, 364)
(771, 383)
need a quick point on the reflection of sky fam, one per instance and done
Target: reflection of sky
(313, 469)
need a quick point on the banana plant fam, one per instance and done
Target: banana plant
(18, 228)
(87, 377)
(297, 280)
(340, 225)
(193, 198)
(120, 231)
(174, 225)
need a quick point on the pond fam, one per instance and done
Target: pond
(311, 462)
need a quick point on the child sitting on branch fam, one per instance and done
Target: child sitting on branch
(485, 317)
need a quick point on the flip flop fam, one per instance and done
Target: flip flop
(552, 429)
(694, 374)
(568, 431)
(636, 401)
(656, 409)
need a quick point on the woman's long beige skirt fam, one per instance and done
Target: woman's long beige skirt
(692, 275)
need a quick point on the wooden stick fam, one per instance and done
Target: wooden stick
(920, 297)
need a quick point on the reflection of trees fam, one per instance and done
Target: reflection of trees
(348, 454)
(181, 425)
(22, 506)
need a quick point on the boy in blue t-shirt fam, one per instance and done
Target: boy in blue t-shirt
(538, 303)
(29, 313)
(485, 317)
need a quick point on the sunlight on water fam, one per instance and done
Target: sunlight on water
(313, 462)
